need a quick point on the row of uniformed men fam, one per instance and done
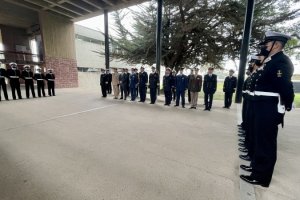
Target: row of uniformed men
(172, 84)
(267, 93)
(14, 75)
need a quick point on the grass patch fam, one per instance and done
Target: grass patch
(297, 100)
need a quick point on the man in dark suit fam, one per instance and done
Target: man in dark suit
(50, 77)
(143, 81)
(189, 91)
(104, 82)
(168, 84)
(27, 75)
(125, 83)
(209, 88)
(3, 75)
(229, 88)
(14, 79)
(109, 79)
(153, 84)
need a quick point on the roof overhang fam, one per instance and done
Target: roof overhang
(75, 10)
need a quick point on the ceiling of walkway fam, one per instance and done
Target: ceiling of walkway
(74, 10)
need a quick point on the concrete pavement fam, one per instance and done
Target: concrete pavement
(79, 146)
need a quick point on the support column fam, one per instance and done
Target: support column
(244, 49)
(158, 36)
(106, 39)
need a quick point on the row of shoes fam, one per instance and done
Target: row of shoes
(246, 157)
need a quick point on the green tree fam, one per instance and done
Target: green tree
(198, 32)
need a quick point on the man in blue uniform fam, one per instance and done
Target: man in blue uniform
(133, 83)
(27, 75)
(273, 95)
(181, 86)
(14, 80)
(168, 84)
(153, 84)
(143, 81)
(229, 88)
(209, 88)
(3, 75)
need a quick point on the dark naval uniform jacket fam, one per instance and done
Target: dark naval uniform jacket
(153, 80)
(210, 83)
(143, 79)
(230, 84)
(276, 78)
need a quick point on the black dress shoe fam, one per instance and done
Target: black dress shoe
(176, 105)
(242, 145)
(151, 103)
(242, 135)
(241, 140)
(246, 168)
(243, 150)
(245, 157)
(183, 106)
(253, 181)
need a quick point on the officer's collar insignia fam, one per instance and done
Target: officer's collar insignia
(279, 73)
(268, 59)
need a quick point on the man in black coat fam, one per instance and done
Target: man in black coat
(104, 82)
(229, 88)
(189, 91)
(209, 88)
(143, 81)
(50, 77)
(40, 77)
(3, 75)
(273, 95)
(109, 78)
(27, 75)
(153, 84)
(14, 79)
(168, 84)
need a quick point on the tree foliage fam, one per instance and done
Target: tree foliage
(198, 32)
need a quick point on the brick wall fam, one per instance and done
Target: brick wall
(65, 70)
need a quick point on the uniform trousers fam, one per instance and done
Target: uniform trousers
(153, 94)
(143, 92)
(15, 85)
(29, 85)
(116, 90)
(180, 94)
(41, 88)
(194, 99)
(168, 97)
(266, 120)
(51, 91)
(3, 87)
